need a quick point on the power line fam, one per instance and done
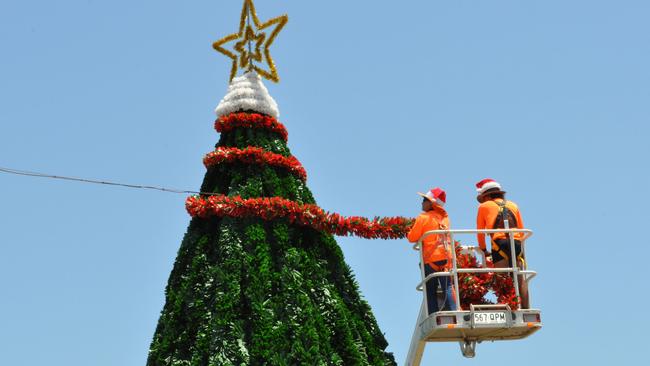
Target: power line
(93, 181)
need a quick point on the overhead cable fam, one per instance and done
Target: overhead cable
(93, 181)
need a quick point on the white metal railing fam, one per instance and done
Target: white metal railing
(454, 271)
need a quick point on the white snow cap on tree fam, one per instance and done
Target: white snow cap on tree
(247, 93)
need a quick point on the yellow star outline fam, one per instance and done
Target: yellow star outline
(243, 57)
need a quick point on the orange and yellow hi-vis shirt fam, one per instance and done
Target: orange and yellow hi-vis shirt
(487, 213)
(433, 250)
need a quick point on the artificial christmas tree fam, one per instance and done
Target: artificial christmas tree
(259, 278)
(253, 284)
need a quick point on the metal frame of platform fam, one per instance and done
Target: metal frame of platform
(460, 326)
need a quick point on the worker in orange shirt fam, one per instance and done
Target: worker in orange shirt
(492, 211)
(435, 256)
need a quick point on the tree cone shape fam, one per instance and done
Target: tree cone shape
(245, 291)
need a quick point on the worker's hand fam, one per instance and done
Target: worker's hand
(488, 262)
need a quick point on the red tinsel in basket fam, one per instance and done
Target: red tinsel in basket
(474, 286)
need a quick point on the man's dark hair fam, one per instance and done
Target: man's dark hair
(494, 194)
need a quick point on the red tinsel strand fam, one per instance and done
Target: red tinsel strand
(250, 120)
(474, 286)
(254, 155)
(504, 289)
(270, 208)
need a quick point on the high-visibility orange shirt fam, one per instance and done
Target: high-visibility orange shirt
(433, 250)
(487, 213)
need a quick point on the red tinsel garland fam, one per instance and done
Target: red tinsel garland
(254, 155)
(270, 208)
(250, 120)
(504, 289)
(474, 286)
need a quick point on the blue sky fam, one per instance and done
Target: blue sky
(381, 100)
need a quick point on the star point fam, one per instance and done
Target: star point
(252, 43)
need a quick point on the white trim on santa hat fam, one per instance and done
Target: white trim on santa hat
(488, 185)
(431, 197)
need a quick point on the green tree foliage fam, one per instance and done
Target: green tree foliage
(244, 291)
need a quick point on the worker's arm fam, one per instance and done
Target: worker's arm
(480, 225)
(416, 231)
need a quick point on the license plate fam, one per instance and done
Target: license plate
(493, 317)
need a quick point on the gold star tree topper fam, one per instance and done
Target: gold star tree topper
(252, 44)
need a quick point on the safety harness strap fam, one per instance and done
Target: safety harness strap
(495, 246)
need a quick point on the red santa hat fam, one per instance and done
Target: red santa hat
(436, 195)
(488, 184)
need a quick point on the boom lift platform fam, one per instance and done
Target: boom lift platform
(493, 322)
